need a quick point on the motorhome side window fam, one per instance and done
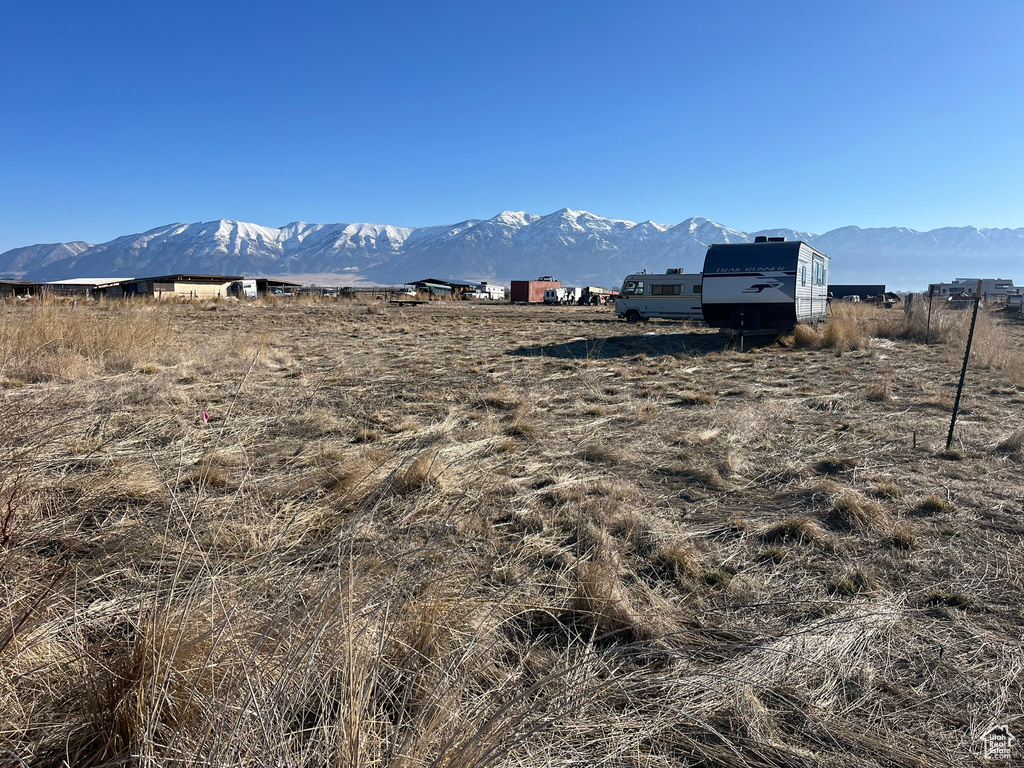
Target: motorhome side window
(665, 290)
(633, 288)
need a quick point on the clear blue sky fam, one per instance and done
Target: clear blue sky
(120, 116)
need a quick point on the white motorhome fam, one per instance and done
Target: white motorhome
(674, 295)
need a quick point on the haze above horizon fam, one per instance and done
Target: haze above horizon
(123, 116)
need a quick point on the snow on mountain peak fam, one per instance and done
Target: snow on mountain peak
(576, 246)
(515, 218)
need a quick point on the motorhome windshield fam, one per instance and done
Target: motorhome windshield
(633, 288)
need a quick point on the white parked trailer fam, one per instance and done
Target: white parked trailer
(243, 289)
(766, 286)
(487, 291)
(562, 295)
(673, 295)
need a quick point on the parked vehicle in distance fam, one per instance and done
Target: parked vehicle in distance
(562, 295)
(243, 289)
(486, 292)
(673, 295)
(594, 295)
(886, 300)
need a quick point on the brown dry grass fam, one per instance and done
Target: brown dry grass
(474, 535)
(56, 339)
(844, 330)
(852, 326)
(1012, 444)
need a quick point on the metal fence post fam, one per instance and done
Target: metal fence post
(928, 327)
(963, 371)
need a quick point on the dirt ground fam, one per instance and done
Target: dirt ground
(473, 534)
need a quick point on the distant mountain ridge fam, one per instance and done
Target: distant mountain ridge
(576, 246)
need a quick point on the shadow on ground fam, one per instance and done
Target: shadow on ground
(650, 344)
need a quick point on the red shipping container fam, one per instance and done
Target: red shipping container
(531, 291)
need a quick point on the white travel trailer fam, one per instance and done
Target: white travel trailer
(243, 289)
(767, 286)
(492, 292)
(486, 291)
(673, 295)
(562, 295)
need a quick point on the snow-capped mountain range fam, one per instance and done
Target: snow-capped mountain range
(577, 247)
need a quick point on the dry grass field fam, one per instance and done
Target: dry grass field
(470, 535)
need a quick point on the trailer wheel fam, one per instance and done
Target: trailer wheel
(633, 316)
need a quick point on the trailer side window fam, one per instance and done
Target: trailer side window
(803, 275)
(696, 288)
(665, 290)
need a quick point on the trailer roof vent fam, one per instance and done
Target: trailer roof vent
(674, 271)
(776, 239)
(760, 238)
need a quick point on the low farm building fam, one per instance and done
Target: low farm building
(18, 288)
(454, 288)
(272, 286)
(182, 286)
(88, 287)
(433, 286)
